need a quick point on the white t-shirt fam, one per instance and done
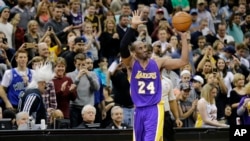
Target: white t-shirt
(211, 110)
(167, 92)
(7, 77)
(7, 29)
(228, 79)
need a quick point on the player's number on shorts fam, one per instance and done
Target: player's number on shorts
(143, 87)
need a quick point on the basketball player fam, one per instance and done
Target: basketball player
(145, 82)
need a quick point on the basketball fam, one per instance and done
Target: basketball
(181, 21)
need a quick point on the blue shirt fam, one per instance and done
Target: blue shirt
(16, 86)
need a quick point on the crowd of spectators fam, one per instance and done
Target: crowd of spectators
(82, 40)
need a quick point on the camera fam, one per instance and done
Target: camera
(49, 28)
(5, 40)
(225, 41)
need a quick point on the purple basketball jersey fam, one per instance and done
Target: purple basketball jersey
(145, 84)
(76, 20)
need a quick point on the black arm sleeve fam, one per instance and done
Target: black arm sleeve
(127, 39)
(31, 104)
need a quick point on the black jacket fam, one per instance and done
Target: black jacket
(113, 126)
(85, 125)
(31, 102)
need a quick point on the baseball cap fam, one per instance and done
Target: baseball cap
(230, 49)
(160, 10)
(193, 12)
(80, 40)
(185, 86)
(185, 72)
(198, 78)
(200, 1)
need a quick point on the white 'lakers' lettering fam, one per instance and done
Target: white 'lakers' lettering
(144, 75)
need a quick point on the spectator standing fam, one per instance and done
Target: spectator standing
(243, 109)
(158, 5)
(21, 76)
(25, 14)
(5, 26)
(31, 100)
(75, 18)
(31, 36)
(143, 34)
(93, 46)
(92, 18)
(102, 71)
(109, 41)
(170, 110)
(125, 10)
(235, 96)
(99, 97)
(18, 32)
(207, 110)
(79, 46)
(43, 15)
(203, 13)
(234, 28)
(216, 16)
(226, 75)
(184, 4)
(222, 34)
(87, 83)
(120, 89)
(227, 9)
(195, 24)
(53, 43)
(122, 26)
(186, 106)
(197, 83)
(245, 25)
(49, 95)
(60, 27)
(109, 104)
(145, 17)
(64, 87)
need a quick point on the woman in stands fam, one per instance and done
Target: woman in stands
(207, 110)
(64, 87)
(235, 95)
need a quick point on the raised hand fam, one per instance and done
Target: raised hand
(63, 87)
(72, 87)
(136, 19)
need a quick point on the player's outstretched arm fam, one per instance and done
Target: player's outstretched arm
(171, 64)
(129, 37)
